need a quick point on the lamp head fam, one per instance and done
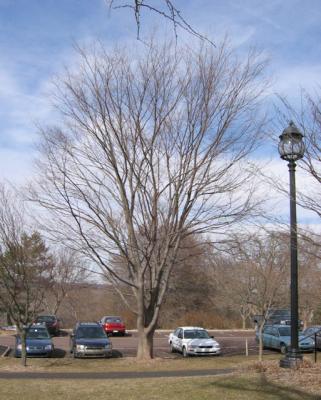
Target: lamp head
(291, 146)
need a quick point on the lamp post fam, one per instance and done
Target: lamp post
(291, 149)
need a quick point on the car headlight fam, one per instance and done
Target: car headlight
(80, 347)
(48, 347)
(19, 346)
(191, 347)
(108, 346)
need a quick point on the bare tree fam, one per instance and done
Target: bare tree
(25, 266)
(169, 11)
(309, 278)
(153, 149)
(260, 261)
(67, 270)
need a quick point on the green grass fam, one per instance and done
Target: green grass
(245, 387)
(124, 364)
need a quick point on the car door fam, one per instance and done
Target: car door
(266, 336)
(275, 339)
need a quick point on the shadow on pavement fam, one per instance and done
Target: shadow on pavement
(116, 354)
(59, 353)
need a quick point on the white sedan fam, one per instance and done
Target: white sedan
(191, 340)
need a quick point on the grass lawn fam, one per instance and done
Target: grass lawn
(250, 381)
(123, 364)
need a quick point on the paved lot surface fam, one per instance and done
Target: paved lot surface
(232, 343)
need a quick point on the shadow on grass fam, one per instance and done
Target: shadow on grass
(263, 388)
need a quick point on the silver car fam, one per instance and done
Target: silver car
(190, 340)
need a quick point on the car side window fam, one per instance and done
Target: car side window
(275, 332)
(267, 330)
(180, 334)
(176, 332)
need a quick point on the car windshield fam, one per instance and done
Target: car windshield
(285, 331)
(113, 320)
(313, 330)
(90, 332)
(196, 334)
(282, 313)
(37, 333)
(45, 318)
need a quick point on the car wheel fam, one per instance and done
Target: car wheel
(283, 348)
(184, 352)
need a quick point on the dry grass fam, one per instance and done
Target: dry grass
(120, 364)
(250, 381)
(306, 377)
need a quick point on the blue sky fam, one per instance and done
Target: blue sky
(37, 36)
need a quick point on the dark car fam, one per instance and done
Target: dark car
(89, 339)
(52, 323)
(315, 333)
(280, 316)
(113, 325)
(38, 342)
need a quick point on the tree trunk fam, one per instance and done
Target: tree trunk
(145, 333)
(145, 344)
(23, 335)
(260, 329)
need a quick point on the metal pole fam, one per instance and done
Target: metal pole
(293, 356)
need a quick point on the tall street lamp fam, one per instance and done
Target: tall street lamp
(291, 149)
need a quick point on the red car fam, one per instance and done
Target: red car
(113, 325)
(52, 323)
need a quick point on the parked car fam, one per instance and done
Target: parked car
(191, 340)
(278, 337)
(281, 316)
(311, 331)
(113, 325)
(89, 339)
(52, 323)
(38, 342)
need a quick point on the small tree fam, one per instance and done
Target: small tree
(260, 261)
(67, 270)
(25, 267)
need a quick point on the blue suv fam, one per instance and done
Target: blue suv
(89, 339)
(38, 342)
(279, 337)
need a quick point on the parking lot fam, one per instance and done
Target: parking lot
(233, 342)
